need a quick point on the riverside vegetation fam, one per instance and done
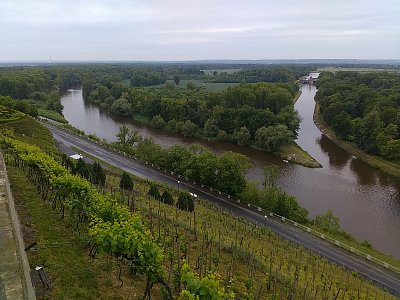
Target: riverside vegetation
(364, 110)
(135, 240)
(259, 112)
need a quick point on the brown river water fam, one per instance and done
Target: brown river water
(366, 200)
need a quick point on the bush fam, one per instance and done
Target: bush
(126, 182)
(154, 192)
(185, 202)
(167, 198)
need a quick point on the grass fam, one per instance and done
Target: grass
(52, 115)
(374, 161)
(9, 115)
(64, 254)
(295, 154)
(362, 70)
(32, 132)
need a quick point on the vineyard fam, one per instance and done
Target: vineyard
(176, 253)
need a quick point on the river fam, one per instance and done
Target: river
(366, 200)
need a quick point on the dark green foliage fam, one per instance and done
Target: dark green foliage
(185, 201)
(177, 79)
(328, 222)
(363, 108)
(83, 169)
(273, 137)
(68, 163)
(25, 106)
(167, 198)
(242, 136)
(195, 111)
(154, 192)
(126, 182)
(157, 122)
(275, 200)
(99, 176)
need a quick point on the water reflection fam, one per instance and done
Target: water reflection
(337, 157)
(363, 178)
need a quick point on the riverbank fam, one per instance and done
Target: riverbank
(292, 153)
(296, 97)
(374, 161)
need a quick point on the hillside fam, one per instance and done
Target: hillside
(248, 260)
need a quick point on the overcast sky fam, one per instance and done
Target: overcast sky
(201, 29)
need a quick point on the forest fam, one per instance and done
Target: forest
(261, 114)
(363, 109)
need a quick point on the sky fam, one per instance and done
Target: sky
(149, 30)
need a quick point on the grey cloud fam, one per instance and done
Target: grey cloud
(188, 29)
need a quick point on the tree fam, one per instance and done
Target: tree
(127, 137)
(210, 127)
(230, 173)
(167, 198)
(342, 125)
(270, 172)
(126, 182)
(121, 107)
(189, 129)
(157, 122)
(190, 86)
(242, 136)
(328, 222)
(154, 192)
(222, 135)
(185, 202)
(83, 169)
(271, 138)
(99, 176)
(177, 79)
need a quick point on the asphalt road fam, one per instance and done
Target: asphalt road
(369, 270)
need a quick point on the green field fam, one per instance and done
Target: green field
(362, 70)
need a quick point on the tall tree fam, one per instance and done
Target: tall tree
(126, 182)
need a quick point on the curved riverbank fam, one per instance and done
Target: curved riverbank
(374, 161)
(290, 153)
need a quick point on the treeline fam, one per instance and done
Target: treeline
(25, 106)
(41, 86)
(285, 74)
(243, 114)
(364, 109)
(224, 172)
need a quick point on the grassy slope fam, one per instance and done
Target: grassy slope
(374, 161)
(52, 115)
(32, 132)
